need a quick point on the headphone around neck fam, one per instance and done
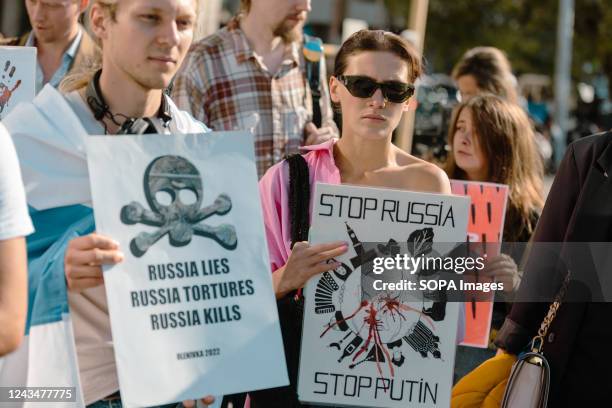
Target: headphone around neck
(131, 126)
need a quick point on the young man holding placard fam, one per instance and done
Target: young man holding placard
(124, 94)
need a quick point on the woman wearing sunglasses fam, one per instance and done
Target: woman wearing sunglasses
(371, 86)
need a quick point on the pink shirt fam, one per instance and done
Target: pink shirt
(274, 192)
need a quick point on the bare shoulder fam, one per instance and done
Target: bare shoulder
(421, 175)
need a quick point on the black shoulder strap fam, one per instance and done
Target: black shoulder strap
(291, 306)
(299, 198)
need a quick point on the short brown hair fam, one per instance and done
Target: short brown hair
(491, 69)
(506, 139)
(379, 40)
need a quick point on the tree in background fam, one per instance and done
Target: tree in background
(525, 29)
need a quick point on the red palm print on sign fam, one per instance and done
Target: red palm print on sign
(485, 231)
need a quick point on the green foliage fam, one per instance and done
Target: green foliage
(525, 29)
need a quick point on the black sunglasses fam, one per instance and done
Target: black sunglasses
(364, 87)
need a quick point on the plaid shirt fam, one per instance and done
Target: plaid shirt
(224, 84)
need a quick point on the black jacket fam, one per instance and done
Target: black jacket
(578, 211)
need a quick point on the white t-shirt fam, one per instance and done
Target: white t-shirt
(14, 218)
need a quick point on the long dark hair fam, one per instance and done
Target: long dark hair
(504, 134)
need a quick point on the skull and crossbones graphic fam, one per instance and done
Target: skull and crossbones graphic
(169, 176)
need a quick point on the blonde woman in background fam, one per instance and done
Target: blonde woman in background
(485, 70)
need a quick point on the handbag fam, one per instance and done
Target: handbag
(507, 381)
(529, 380)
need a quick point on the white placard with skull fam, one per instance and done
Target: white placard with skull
(17, 77)
(192, 306)
(364, 345)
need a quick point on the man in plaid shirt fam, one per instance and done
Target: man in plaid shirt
(251, 74)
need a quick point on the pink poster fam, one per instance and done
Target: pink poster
(485, 229)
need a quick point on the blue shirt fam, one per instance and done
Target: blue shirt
(67, 59)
